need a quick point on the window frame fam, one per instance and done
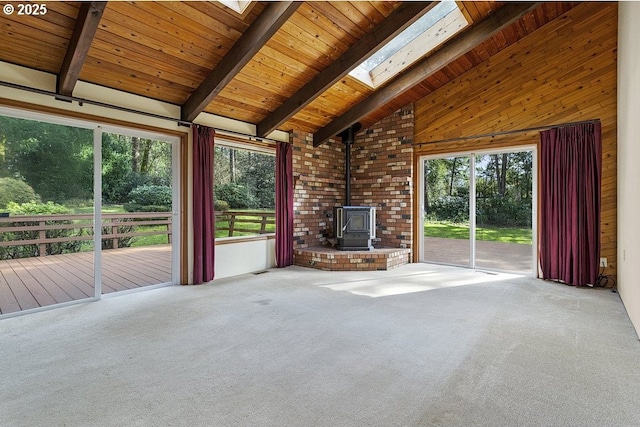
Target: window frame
(260, 147)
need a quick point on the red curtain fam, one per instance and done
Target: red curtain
(570, 173)
(284, 204)
(203, 214)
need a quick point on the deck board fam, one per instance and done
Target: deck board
(20, 291)
(72, 285)
(47, 284)
(8, 301)
(72, 270)
(40, 281)
(39, 293)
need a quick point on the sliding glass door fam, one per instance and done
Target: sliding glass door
(478, 210)
(446, 211)
(84, 210)
(136, 211)
(504, 201)
(46, 213)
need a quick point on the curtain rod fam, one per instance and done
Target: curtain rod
(507, 132)
(80, 101)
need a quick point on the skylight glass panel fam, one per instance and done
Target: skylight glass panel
(431, 30)
(237, 5)
(429, 19)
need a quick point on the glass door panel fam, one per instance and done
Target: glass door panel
(137, 219)
(446, 211)
(504, 194)
(46, 214)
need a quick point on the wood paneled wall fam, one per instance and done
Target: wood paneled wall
(564, 72)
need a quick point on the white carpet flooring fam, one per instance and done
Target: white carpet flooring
(421, 345)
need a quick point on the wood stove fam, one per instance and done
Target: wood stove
(355, 226)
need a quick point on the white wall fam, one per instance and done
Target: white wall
(244, 257)
(629, 158)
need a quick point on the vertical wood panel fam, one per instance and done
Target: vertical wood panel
(564, 72)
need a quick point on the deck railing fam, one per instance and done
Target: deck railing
(54, 234)
(41, 235)
(238, 223)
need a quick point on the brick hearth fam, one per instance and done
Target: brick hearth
(327, 258)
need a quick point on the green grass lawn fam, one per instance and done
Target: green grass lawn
(158, 239)
(105, 209)
(448, 230)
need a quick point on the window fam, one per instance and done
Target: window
(244, 189)
(423, 36)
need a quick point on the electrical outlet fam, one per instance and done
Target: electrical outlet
(603, 262)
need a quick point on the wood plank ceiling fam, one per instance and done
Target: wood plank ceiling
(279, 65)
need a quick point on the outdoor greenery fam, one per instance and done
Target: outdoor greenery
(447, 230)
(47, 168)
(244, 179)
(56, 162)
(17, 191)
(133, 168)
(222, 224)
(149, 198)
(37, 208)
(503, 197)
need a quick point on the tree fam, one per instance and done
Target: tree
(130, 162)
(117, 168)
(55, 160)
(232, 166)
(501, 164)
(246, 178)
(503, 189)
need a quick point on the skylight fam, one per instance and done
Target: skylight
(238, 5)
(430, 31)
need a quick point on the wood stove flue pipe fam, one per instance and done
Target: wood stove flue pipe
(348, 138)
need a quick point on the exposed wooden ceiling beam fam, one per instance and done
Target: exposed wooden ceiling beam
(405, 15)
(85, 29)
(259, 32)
(448, 53)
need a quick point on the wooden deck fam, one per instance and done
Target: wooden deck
(28, 283)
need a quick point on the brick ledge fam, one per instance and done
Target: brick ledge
(330, 259)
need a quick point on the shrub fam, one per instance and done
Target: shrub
(220, 205)
(135, 207)
(449, 208)
(148, 195)
(504, 212)
(495, 211)
(17, 191)
(236, 195)
(36, 208)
